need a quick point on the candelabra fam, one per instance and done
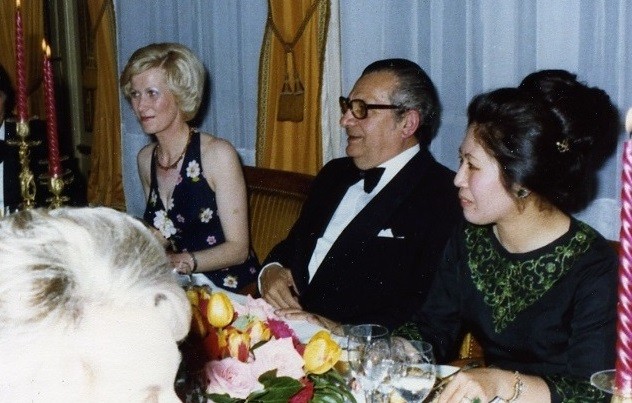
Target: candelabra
(27, 179)
(56, 186)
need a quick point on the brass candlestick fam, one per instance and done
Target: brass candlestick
(27, 179)
(56, 186)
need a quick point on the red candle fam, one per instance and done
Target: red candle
(54, 167)
(623, 377)
(20, 70)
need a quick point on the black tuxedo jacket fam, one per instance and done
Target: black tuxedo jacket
(364, 277)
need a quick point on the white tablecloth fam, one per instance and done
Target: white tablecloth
(304, 330)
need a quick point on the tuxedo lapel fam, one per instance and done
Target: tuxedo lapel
(376, 214)
(329, 189)
(333, 193)
(373, 217)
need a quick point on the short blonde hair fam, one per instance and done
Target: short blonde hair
(184, 73)
(59, 267)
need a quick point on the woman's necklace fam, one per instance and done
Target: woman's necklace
(175, 163)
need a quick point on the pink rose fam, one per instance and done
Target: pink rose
(233, 377)
(256, 307)
(280, 355)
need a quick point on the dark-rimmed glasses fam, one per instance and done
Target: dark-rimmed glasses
(359, 108)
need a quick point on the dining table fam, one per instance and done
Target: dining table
(305, 330)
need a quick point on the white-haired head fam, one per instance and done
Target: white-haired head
(85, 293)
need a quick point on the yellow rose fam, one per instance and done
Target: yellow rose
(258, 332)
(321, 353)
(238, 344)
(219, 310)
(192, 295)
(198, 324)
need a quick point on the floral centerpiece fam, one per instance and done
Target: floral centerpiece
(251, 355)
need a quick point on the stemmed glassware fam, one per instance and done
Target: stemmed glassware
(369, 356)
(415, 370)
(604, 380)
(377, 365)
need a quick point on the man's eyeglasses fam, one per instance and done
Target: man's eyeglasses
(359, 108)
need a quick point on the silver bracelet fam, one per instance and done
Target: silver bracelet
(518, 389)
(195, 262)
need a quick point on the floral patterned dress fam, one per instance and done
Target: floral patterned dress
(191, 222)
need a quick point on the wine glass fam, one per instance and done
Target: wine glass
(359, 336)
(415, 371)
(377, 365)
(364, 354)
(604, 380)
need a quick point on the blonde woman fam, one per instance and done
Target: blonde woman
(193, 182)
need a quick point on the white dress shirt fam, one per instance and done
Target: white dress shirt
(351, 204)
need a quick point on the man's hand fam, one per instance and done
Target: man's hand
(298, 314)
(278, 288)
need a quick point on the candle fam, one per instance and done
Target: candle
(54, 167)
(20, 70)
(623, 366)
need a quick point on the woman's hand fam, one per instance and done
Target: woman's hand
(486, 384)
(181, 262)
(483, 384)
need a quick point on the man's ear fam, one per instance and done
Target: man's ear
(410, 122)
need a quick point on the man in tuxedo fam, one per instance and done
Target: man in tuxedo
(359, 253)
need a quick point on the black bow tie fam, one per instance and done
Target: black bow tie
(371, 177)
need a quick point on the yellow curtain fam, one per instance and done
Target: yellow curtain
(33, 20)
(288, 144)
(105, 183)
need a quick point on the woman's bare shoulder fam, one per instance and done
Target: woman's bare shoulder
(216, 148)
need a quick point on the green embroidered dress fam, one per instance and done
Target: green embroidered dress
(549, 312)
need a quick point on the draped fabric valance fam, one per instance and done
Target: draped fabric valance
(290, 78)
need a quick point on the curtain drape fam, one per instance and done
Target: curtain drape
(105, 183)
(465, 46)
(333, 137)
(291, 145)
(33, 20)
(468, 47)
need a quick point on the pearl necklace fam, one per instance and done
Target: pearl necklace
(176, 162)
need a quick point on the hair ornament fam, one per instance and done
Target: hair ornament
(522, 193)
(563, 146)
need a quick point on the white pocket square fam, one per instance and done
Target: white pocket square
(385, 233)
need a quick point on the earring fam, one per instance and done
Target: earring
(522, 193)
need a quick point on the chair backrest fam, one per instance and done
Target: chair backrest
(275, 199)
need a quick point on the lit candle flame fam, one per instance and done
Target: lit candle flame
(628, 121)
(44, 45)
(17, 3)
